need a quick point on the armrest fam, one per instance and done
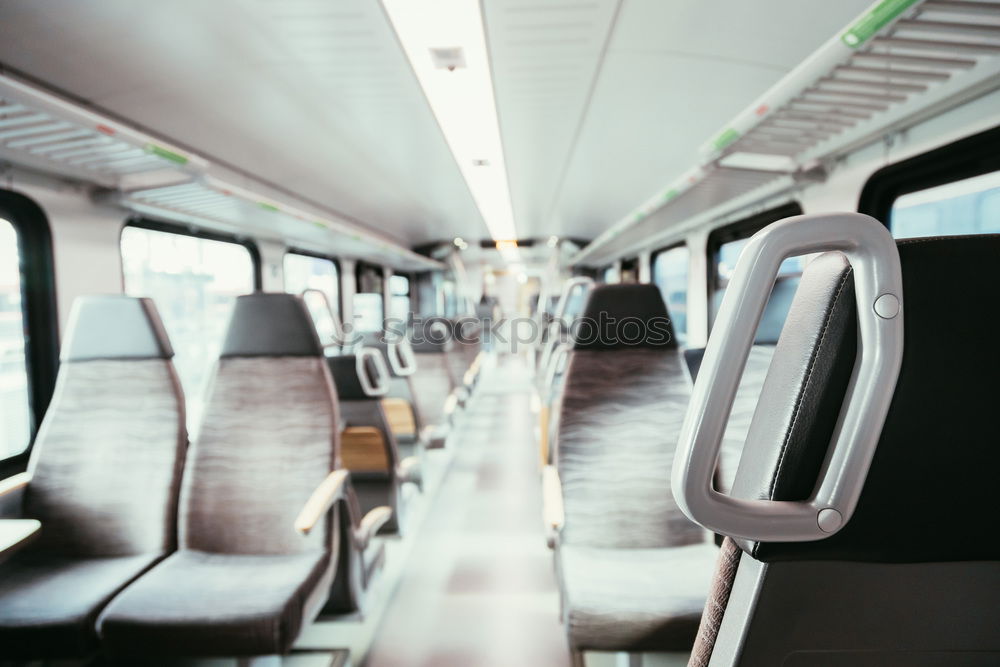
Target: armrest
(370, 525)
(14, 483)
(408, 470)
(552, 505)
(322, 499)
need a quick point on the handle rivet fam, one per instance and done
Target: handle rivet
(887, 306)
(829, 520)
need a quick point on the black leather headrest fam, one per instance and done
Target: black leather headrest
(930, 492)
(115, 327)
(620, 317)
(344, 369)
(271, 325)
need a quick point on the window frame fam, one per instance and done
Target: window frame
(316, 255)
(969, 157)
(738, 230)
(39, 310)
(198, 233)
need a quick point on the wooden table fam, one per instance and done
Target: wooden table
(16, 533)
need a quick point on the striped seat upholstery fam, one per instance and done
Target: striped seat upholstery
(620, 416)
(105, 473)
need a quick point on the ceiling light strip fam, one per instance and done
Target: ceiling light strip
(445, 43)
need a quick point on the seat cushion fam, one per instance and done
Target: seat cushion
(202, 604)
(635, 599)
(49, 605)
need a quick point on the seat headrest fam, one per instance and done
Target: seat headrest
(622, 317)
(115, 327)
(434, 334)
(344, 369)
(271, 325)
(930, 489)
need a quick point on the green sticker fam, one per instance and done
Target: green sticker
(726, 137)
(166, 154)
(267, 207)
(876, 19)
(669, 194)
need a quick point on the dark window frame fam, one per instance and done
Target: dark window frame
(39, 309)
(966, 158)
(741, 229)
(199, 233)
(317, 255)
(359, 266)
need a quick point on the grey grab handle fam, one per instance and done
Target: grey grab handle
(872, 253)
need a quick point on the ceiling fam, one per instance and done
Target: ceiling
(600, 102)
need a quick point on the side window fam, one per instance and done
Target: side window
(399, 287)
(368, 308)
(670, 274)
(968, 206)
(304, 272)
(194, 281)
(15, 388)
(724, 247)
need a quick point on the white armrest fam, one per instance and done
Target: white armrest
(322, 499)
(375, 519)
(408, 470)
(552, 505)
(14, 483)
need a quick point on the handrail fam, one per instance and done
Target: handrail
(872, 253)
(380, 387)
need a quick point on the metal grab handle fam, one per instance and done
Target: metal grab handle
(381, 385)
(339, 337)
(573, 284)
(872, 253)
(401, 357)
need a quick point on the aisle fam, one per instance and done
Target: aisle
(478, 589)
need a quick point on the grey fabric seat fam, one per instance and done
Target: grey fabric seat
(621, 411)
(104, 478)
(246, 579)
(643, 599)
(911, 578)
(236, 604)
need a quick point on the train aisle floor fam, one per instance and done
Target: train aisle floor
(479, 588)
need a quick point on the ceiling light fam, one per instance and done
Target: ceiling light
(758, 162)
(435, 33)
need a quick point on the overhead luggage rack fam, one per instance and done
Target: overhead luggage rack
(898, 63)
(41, 131)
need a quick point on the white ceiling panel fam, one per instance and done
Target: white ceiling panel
(312, 95)
(545, 56)
(672, 74)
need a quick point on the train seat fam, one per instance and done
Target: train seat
(618, 528)
(103, 480)
(260, 504)
(436, 387)
(910, 578)
(367, 444)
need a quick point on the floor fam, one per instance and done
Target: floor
(478, 588)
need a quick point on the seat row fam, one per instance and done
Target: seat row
(228, 546)
(908, 579)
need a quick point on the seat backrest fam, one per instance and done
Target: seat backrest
(107, 460)
(915, 551)
(623, 401)
(269, 434)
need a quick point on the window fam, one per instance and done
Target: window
(29, 349)
(399, 307)
(630, 270)
(670, 274)
(15, 389)
(194, 280)
(304, 272)
(368, 304)
(725, 245)
(968, 206)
